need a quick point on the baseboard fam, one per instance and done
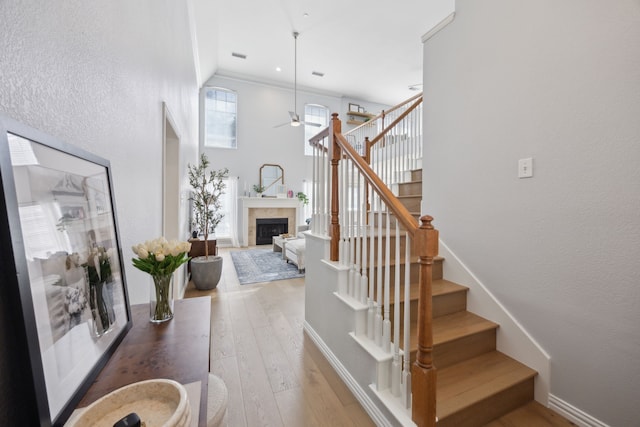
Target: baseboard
(369, 406)
(573, 414)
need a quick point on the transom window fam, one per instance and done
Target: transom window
(220, 118)
(314, 113)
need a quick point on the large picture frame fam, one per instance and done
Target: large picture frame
(62, 267)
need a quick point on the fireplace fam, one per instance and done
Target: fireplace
(266, 228)
(252, 208)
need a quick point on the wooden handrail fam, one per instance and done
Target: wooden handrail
(395, 122)
(395, 107)
(385, 112)
(315, 140)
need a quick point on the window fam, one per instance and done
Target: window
(314, 114)
(226, 231)
(220, 108)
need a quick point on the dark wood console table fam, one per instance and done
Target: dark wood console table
(176, 350)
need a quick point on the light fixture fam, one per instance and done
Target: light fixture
(295, 118)
(278, 69)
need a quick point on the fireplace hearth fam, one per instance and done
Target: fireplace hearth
(266, 228)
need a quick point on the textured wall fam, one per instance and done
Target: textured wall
(95, 75)
(559, 82)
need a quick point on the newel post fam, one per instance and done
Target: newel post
(335, 154)
(423, 374)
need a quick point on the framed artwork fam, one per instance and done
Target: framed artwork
(354, 107)
(63, 262)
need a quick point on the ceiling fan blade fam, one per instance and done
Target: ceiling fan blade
(283, 124)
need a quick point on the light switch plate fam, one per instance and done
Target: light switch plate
(525, 168)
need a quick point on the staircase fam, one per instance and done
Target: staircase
(373, 276)
(476, 384)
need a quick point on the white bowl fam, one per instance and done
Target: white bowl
(157, 402)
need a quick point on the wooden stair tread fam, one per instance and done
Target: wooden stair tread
(438, 286)
(533, 414)
(466, 383)
(454, 326)
(443, 287)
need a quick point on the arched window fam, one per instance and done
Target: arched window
(220, 121)
(314, 113)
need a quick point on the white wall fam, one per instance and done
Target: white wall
(95, 75)
(559, 82)
(262, 106)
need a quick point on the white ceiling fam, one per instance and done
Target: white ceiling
(369, 50)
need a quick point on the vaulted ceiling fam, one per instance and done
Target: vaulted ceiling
(368, 50)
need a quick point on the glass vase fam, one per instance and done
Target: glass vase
(161, 298)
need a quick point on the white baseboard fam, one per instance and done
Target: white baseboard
(573, 414)
(369, 406)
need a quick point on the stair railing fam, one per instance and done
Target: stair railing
(391, 142)
(354, 207)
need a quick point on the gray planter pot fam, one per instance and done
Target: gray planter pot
(205, 273)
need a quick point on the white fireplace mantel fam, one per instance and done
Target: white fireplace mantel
(247, 203)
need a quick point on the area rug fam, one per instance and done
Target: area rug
(262, 265)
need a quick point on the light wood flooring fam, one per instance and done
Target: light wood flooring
(274, 373)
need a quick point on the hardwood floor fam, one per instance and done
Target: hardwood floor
(275, 375)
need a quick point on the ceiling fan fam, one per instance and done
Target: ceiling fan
(295, 118)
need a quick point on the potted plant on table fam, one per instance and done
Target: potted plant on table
(208, 187)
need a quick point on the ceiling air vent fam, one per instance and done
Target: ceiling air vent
(239, 55)
(317, 73)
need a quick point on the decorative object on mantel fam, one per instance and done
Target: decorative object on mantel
(272, 180)
(160, 259)
(157, 402)
(259, 189)
(302, 197)
(208, 187)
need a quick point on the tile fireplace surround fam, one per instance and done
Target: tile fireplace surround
(266, 207)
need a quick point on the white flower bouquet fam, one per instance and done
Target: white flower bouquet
(160, 258)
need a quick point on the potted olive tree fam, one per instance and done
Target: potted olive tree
(208, 187)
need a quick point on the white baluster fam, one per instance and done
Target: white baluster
(364, 280)
(350, 215)
(378, 326)
(371, 313)
(357, 238)
(406, 371)
(396, 370)
(386, 329)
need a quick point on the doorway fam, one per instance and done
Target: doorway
(171, 190)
